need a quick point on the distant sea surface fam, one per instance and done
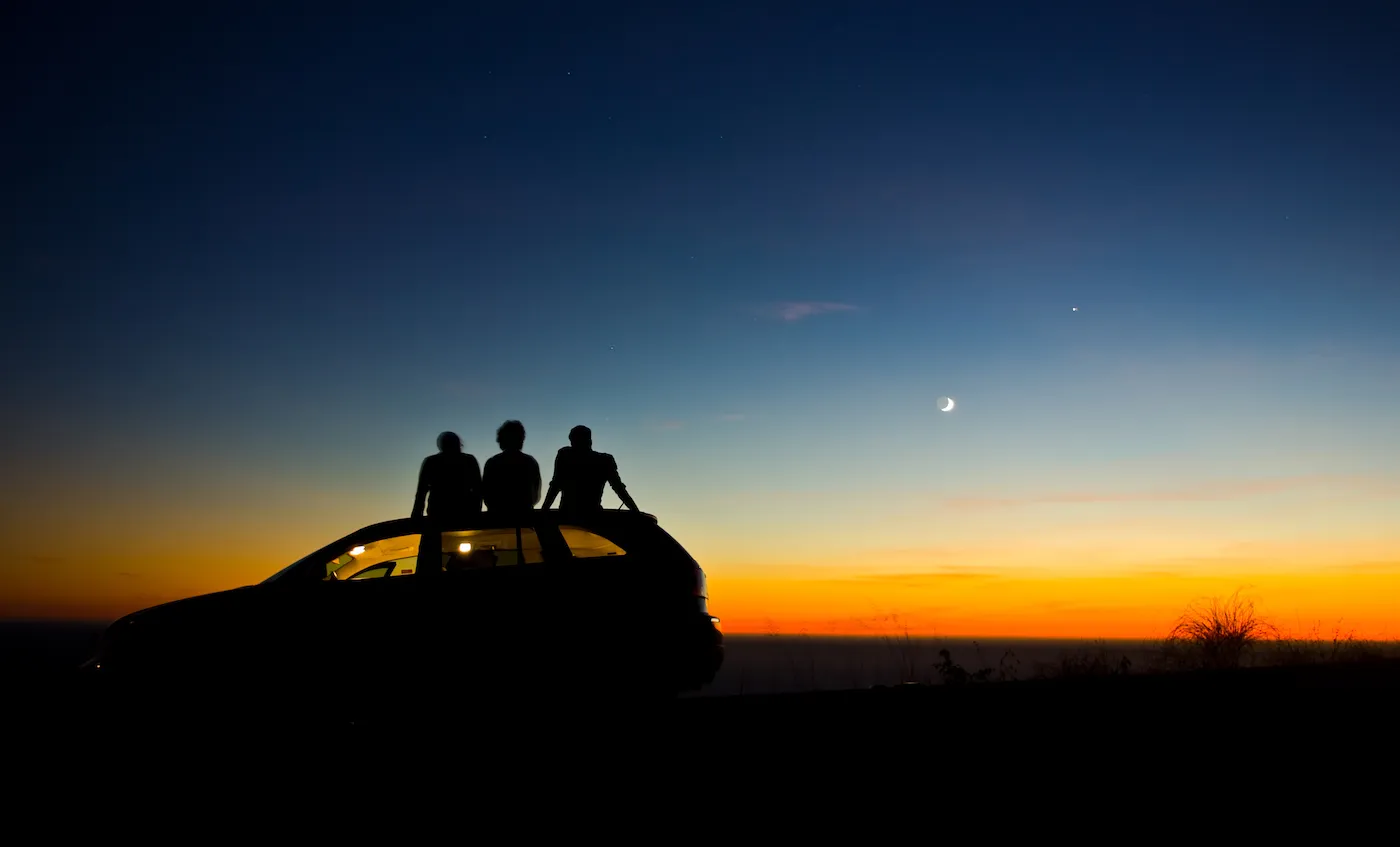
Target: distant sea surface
(41, 647)
(762, 664)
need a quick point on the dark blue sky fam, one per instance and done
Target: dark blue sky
(290, 243)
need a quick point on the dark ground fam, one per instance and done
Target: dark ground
(1322, 714)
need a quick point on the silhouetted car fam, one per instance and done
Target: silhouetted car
(607, 601)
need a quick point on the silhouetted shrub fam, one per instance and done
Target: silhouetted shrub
(1095, 661)
(954, 674)
(1009, 668)
(1216, 634)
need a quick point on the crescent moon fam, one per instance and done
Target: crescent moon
(949, 407)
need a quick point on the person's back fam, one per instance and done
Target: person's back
(580, 475)
(511, 479)
(580, 472)
(449, 482)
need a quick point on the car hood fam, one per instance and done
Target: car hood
(192, 621)
(201, 607)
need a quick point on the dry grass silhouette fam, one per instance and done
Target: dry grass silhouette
(1217, 633)
(1096, 660)
(1222, 632)
(909, 657)
(1315, 648)
(915, 666)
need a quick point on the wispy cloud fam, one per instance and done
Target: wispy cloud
(1216, 490)
(927, 578)
(1384, 567)
(796, 310)
(670, 424)
(730, 418)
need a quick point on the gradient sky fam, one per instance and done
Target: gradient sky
(256, 259)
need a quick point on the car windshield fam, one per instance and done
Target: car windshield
(397, 556)
(354, 555)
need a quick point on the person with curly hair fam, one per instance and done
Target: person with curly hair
(511, 479)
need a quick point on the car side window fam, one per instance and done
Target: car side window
(397, 556)
(484, 548)
(586, 544)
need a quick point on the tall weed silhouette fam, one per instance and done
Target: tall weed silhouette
(1217, 633)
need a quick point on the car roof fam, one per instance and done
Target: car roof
(488, 520)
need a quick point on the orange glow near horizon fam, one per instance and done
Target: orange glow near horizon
(1121, 607)
(1360, 597)
(1315, 553)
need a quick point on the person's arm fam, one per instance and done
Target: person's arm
(486, 482)
(420, 497)
(474, 476)
(553, 482)
(535, 488)
(615, 480)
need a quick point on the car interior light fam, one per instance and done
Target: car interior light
(464, 547)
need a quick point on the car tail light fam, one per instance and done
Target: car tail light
(702, 591)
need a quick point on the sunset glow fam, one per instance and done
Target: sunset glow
(259, 267)
(1063, 565)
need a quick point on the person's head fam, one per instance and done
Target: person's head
(511, 435)
(581, 437)
(448, 442)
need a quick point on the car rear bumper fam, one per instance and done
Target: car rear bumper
(705, 655)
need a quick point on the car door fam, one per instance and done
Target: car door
(488, 619)
(601, 595)
(366, 606)
(602, 570)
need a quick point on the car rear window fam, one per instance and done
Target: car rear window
(587, 544)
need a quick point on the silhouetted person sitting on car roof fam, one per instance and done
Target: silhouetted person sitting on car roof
(579, 475)
(449, 482)
(511, 481)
